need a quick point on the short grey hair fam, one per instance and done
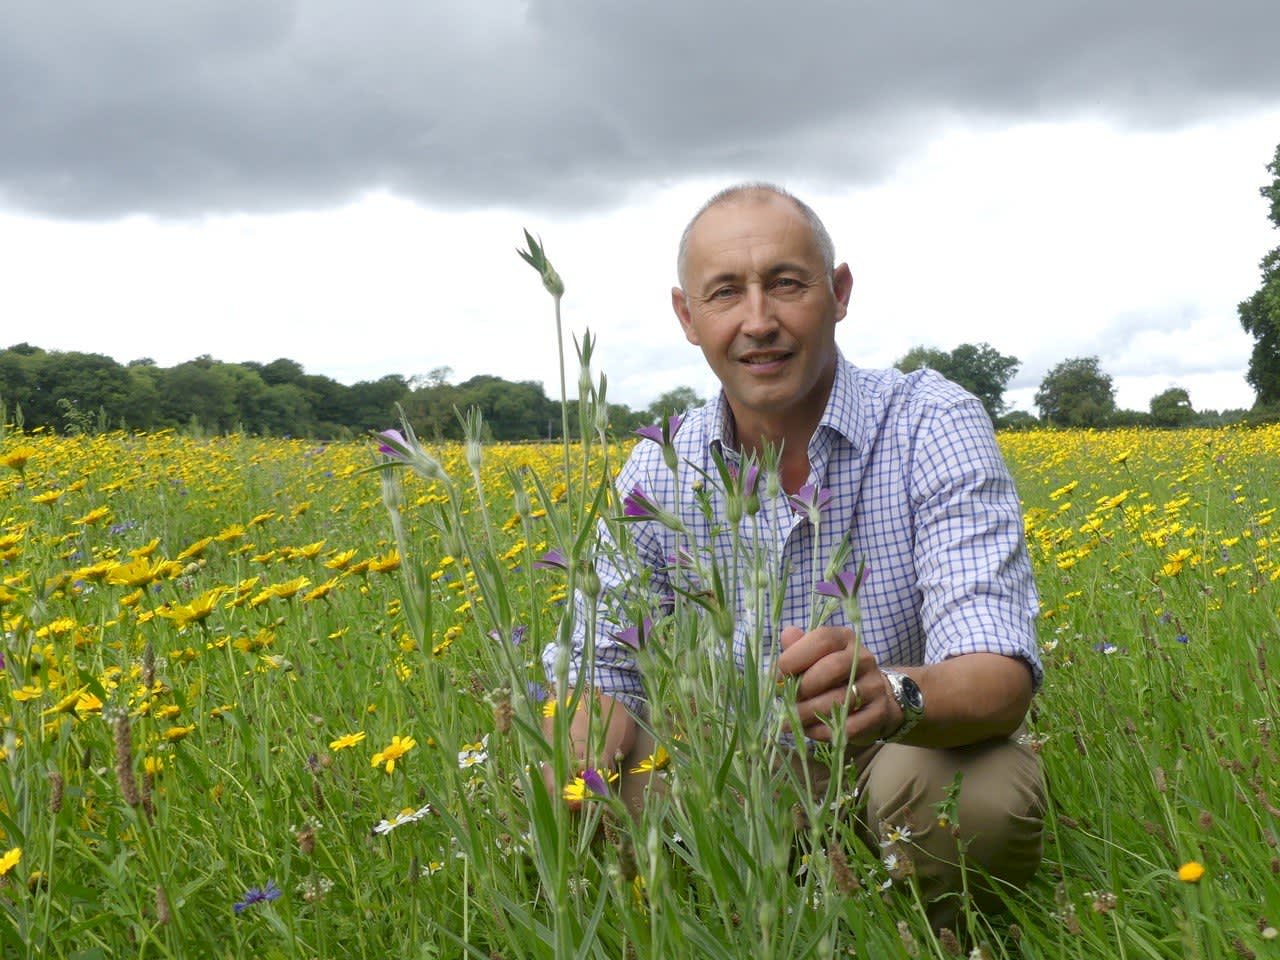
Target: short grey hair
(740, 190)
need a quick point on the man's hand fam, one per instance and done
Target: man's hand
(823, 659)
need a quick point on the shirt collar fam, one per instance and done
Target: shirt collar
(843, 412)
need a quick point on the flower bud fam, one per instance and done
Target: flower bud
(590, 583)
(520, 500)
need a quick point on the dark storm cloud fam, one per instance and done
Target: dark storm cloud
(178, 108)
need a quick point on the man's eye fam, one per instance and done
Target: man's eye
(786, 283)
(721, 293)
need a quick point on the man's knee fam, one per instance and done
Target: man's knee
(996, 821)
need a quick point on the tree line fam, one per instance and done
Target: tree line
(74, 392)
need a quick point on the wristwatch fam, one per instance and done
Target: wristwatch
(910, 698)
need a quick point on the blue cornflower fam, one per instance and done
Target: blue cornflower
(258, 895)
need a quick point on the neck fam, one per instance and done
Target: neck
(790, 435)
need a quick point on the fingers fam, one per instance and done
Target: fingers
(789, 636)
(799, 653)
(867, 715)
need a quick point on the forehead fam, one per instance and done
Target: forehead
(751, 233)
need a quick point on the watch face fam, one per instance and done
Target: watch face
(912, 695)
(913, 700)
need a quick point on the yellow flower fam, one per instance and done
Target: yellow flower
(174, 734)
(658, 760)
(346, 740)
(10, 860)
(49, 496)
(577, 790)
(95, 573)
(146, 550)
(386, 563)
(1191, 872)
(308, 551)
(195, 549)
(17, 459)
(1063, 491)
(340, 561)
(92, 517)
(398, 747)
(138, 572)
(287, 589)
(322, 590)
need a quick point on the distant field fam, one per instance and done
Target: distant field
(241, 719)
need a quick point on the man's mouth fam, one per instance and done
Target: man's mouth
(763, 358)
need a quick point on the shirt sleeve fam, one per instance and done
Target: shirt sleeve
(632, 580)
(971, 559)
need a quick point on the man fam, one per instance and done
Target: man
(944, 672)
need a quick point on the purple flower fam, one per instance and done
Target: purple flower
(517, 635)
(1102, 646)
(536, 691)
(396, 446)
(811, 500)
(844, 586)
(258, 895)
(1182, 638)
(635, 636)
(662, 432)
(592, 780)
(637, 505)
(553, 559)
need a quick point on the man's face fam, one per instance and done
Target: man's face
(759, 302)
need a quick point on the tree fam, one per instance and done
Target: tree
(1076, 393)
(1172, 408)
(674, 401)
(979, 368)
(1260, 314)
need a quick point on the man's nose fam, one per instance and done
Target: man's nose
(758, 320)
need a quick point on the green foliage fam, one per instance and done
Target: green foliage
(979, 368)
(1076, 393)
(1260, 314)
(1172, 408)
(278, 399)
(1017, 420)
(672, 402)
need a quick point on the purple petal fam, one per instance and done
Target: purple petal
(594, 782)
(829, 588)
(400, 444)
(809, 498)
(634, 636)
(661, 432)
(552, 560)
(637, 504)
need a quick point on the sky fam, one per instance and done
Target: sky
(345, 184)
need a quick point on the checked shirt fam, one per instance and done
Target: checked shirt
(915, 477)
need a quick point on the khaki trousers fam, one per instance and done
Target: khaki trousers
(998, 821)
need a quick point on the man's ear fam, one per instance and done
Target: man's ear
(842, 287)
(680, 304)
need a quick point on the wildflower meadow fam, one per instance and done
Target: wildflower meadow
(274, 698)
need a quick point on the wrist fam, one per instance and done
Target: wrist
(907, 694)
